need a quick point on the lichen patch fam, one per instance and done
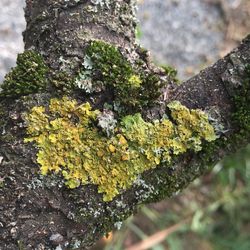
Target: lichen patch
(71, 144)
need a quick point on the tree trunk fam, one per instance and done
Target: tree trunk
(64, 42)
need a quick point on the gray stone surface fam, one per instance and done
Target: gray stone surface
(12, 24)
(183, 33)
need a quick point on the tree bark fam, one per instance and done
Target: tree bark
(38, 212)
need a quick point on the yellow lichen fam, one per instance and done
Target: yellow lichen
(70, 144)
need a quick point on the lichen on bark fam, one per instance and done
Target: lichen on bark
(176, 124)
(71, 145)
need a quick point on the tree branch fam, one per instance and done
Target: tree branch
(39, 211)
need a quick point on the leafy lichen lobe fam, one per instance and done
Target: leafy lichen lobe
(71, 144)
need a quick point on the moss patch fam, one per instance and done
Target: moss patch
(242, 102)
(171, 72)
(29, 76)
(70, 144)
(62, 81)
(104, 67)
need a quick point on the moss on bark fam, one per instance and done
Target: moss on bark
(29, 76)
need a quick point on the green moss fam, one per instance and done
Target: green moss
(241, 100)
(108, 63)
(135, 81)
(71, 145)
(106, 68)
(62, 81)
(29, 76)
(171, 72)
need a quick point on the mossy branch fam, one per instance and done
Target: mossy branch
(85, 107)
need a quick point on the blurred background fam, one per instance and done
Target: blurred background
(214, 211)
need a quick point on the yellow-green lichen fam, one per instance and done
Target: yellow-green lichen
(70, 143)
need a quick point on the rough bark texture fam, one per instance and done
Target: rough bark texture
(63, 28)
(38, 212)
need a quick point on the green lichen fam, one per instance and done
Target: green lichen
(104, 67)
(70, 143)
(29, 76)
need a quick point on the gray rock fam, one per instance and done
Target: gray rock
(12, 24)
(183, 33)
